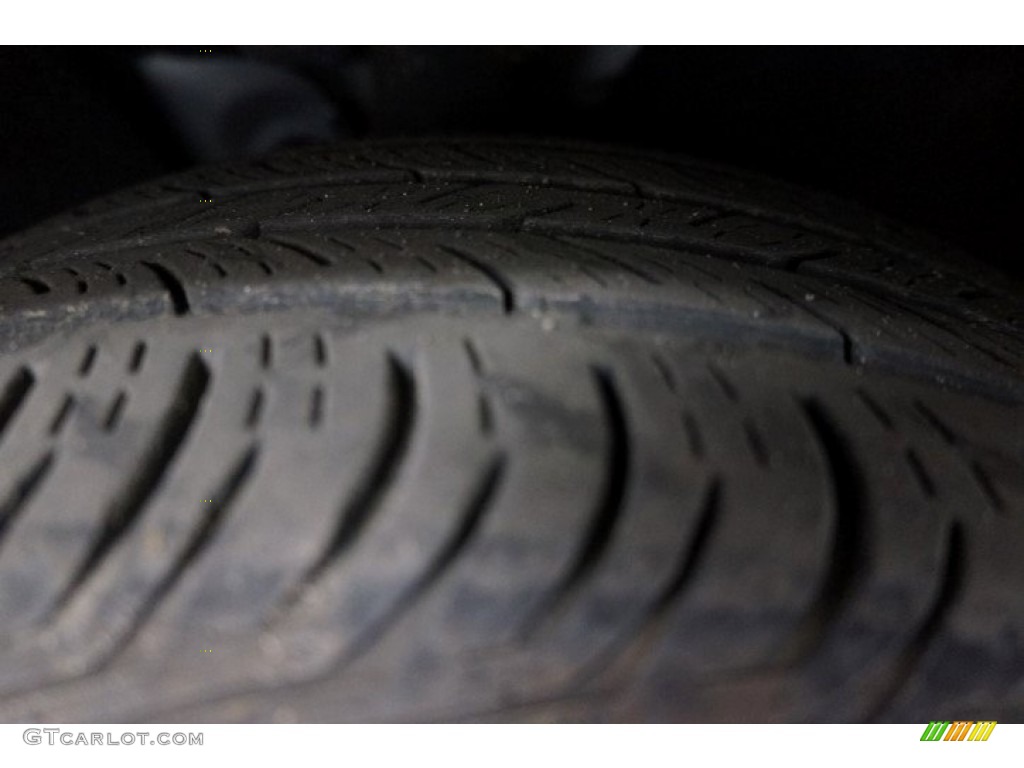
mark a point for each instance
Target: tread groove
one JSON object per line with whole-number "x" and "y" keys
{"x": 876, "y": 409}
{"x": 508, "y": 292}
{"x": 319, "y": 351}
{"x": 23, "y": 490}
{"x": 936, "y": 423}
{"x": 758, "y": 447}
{"x": 607, "y": 512}
{"x": 252, "y": 417}
{"x": 723, "y": 382}
{"x": 88, "y": 360}
{"x": 666, "y": 373}
{"x": 688, "y": 561}
{"x": 921, "y": 474}
{"x": 61, "y": 417}
{"x": 138, "y": 358}
{"x": 475, "y": 361}
{"x": 691, "y": 555}
{"x": 849, "y": 348}
{"x": 951, "y": 577}
{"x": 608, "y": 259}
{"x": 316, "y": 407}
{"x": 693, "y": 436}
{"x": 469, "y": 523}
{"x": 391, "y": 453}
{"x": 427, "y": 264}
{"x": 174, "y": 287}
{"x": 14, "y": 395}
{"x": 848, "y": 536}
{"x": 38, "y": 287}
{"x": 201, "y": 537}
{"x": 568, "y": 276}
{"x": 307, "y": 253}
{"x": 266, "y": 352}
{"x": 113, "y": 417}
{"x": 168, "y": 439}
{"x": 981, "y": 477}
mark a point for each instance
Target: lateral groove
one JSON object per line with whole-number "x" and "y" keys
{"x": 848, "y": 535}
{"x": 202, "y": 535}
{"x": 14, "y": 395}
{"x": 949, "y": 586}
{"x": 508, "y": 292}
{"x": 174, "y": 287}
{"x": 391, "y": 452}
{"x": 156, "y": 460}
{"x": 480, "y": 501}
{"x": 23, "y": 490}
{"x": 607, "y": 512}
{"x": 689, "y": 559}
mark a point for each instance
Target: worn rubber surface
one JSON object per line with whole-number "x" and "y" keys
{"x": 490, "y": 431}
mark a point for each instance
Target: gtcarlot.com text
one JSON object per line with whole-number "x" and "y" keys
{"x": 56, "y": 736}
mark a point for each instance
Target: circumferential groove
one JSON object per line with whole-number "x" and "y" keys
{"x": 848, "y": 535}
{"x": 144, "y": 481}
{"x": 609, "y": 508}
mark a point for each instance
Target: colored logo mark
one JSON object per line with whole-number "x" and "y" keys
{"x": 959, "y": 731}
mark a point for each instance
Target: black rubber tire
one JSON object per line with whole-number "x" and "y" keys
{"x": 496, "y": 431}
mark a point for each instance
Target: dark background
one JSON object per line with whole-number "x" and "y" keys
{"x": 932, "y": 136}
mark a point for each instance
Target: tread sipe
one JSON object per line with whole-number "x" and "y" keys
{"x": 490, "y": 430}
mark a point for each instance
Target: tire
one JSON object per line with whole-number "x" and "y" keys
{"x": 501, "y": 431}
